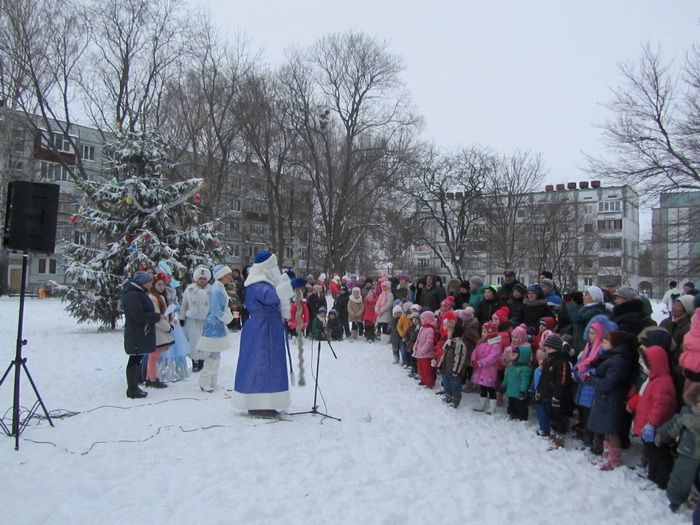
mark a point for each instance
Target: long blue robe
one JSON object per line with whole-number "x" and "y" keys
{"x": 261, "y": 375}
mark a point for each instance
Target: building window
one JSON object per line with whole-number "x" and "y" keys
{"x": 610, "y": 225}
{"x": 422, "y": 263}
{"x": 611, "y": 244}
{"x": 47, "y": 264}
{"x": 522, "y": 214}
{"x": 588, "y": 281}
{"x": 605, "y": 206}
{"x": 54, "y": 171}
{"x": 61, "y": 143}
{"x": 588, "y": 227}
{"x": 88, "y": 152}
{"x": 81, "y": 238}
{"x": 610, "y": 262}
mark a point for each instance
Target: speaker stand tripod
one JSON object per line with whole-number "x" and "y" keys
{"x": 19, "y": 364}
{"x": 314, "y": 409}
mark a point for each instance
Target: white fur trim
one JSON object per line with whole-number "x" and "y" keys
{"x": 222, "y": 272}
{"x": 267, "y": 401}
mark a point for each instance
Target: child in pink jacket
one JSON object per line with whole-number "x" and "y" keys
{"x": 424, "y": 349}
{"x": 485, "y": 360}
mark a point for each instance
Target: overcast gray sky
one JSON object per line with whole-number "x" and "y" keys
{"x": 507, "y": 74}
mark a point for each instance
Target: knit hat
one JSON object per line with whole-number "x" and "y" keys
{"x": 688, "y": 302}
{"x": 491, "y": 329}
{"x": 537, "y": 289}
{"x": 415, "y": 307}
{"x": 309, "y": 277}
{"x": 466, "y": 314}
{"x": 201, "y": 271}
{"x": 141, "y": 278}
{"x": 356, "y": 289}
{"x": 396, "y": 310}
{"x": 548, "y": 322}
{"x": 554, "y": 342}
{"x": 548, "y": 283}
{"x": 509, "y": 273}
{"x": 476, "y": 281}
{"x": 322, "y": 310}
{"x": 656, "y": 336}
{"x": 406, "y": 306}
{"x": 596, "y": 294}
{"x": 627, "y": 293}
{"x": 449, "y": 316}
{"x": 464, "y": 284}
{"x": 414, "y": 315}
{"x": 502, "y": 314}
{"x": 428, "y": 317}
{"x": 521, "y": 332}
{"x": 333, "y": 311}
{"x": 521, "y": 287}
{"x": 221, "y": 270}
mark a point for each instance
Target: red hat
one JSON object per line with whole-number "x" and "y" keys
{"x": 502, "y": 314}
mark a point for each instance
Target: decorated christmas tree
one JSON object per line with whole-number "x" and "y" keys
{"x": 136, "y": 220}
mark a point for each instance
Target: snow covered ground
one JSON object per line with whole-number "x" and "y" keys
{"x": 182, "y": 456}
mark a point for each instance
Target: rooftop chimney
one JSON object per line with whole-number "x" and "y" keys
{"x": 560, "y": 187}
{"x": 583, "y": 184}
{"x": 549, "y": 187}
{"x": 595, "y": 184}
{"x": 571, "y": 186}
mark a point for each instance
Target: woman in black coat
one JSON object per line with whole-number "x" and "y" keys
{"x": 139, "y": 328}
{"x": 535, "y": 307}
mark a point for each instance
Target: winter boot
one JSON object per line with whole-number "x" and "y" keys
{"x": 155, "y": 384}
{"x": 485, "y": 405}
{"x": 557, "y": 442}
{"x": 499, "y": 399}
{"x": 614, "y": 458}
{"x": 132, "y": 380}
{"x": 456, "y": 401}
{"x": 353, "y": 336}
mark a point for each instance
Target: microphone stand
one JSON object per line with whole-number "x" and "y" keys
{"x": 314, "y": 409}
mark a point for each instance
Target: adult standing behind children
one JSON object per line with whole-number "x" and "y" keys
{"x": 262, "y": 385}
{"x": 139, "y": 328}
{"x": 215, "y": 336}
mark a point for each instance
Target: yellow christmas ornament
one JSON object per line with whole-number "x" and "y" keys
{"x": 129, "y": 199}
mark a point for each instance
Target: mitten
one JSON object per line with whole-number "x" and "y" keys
{"x": 298, "y": 282}
{"x": 648, "y": 433}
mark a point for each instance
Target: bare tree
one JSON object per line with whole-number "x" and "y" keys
{"x": 447, "y": 190}
{"x": 354, "y": 123}
{"x": 202, "y": 100}
{"x": 136, "y": 46}
{"x": 653, "y": 135}
{"x": 41, "y": 45}
{"x": 508, "y": 191}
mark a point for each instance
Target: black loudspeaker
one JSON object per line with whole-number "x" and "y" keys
{"x": 31, "y": 216}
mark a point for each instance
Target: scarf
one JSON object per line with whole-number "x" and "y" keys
{"x": 590, "y": 352}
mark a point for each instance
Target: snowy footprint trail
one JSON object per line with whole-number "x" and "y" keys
{"x": 398, "y": 456}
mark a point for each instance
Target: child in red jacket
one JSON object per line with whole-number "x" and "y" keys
{"x": 653, "y": 406}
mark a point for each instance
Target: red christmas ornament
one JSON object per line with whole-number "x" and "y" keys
{"x": 127, "y": 238}
{"x": 216, "y": 244}
{"x": 147, "y": 237}
{"x": 73, "y": 219}
{"x": 197, "y": 197}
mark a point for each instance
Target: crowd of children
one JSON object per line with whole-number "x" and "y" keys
{"x": 593, "y": 357}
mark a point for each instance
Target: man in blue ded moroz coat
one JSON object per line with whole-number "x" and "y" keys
{"x": 262, "y": 384}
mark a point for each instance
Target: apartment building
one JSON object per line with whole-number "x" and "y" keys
{"x": 584, "y": 233}
{"x": 675, "y": 240}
